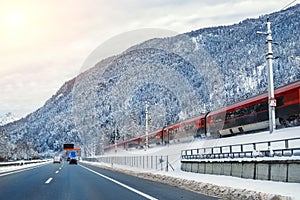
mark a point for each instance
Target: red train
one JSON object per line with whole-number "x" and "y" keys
{"x": 246, "y": 116}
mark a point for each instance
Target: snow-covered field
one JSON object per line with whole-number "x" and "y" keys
{"x": 234, "y": 187}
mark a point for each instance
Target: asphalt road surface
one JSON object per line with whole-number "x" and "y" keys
{"x": 64, "y": 181}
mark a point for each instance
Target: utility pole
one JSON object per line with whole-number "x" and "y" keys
{"x": 116, "y": 140}
{"x": 147, "y": 124}
{"x": 271, "y": 96}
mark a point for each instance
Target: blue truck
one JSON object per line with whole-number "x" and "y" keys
{"x": 73, "y": 159}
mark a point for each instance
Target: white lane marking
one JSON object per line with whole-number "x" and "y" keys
{"x": 17, "y": 171}
{"x": 121, "y": 184}
{"x": 56, "y": 172}
{"x": 49, "y": 180}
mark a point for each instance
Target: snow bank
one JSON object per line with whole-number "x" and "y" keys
{"x": 216, "y": 186}
{"x": 18, "y": 167}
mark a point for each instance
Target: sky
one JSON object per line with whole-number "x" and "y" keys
{"x": 45, "y": 43}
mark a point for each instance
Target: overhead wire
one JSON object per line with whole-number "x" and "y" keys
{"x": 288, "y": 5}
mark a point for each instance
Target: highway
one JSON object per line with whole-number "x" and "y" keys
{"x": 64, "y": 181}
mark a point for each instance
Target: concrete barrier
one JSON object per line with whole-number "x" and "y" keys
{"x": 194, "y": 167}
{"x": 248, "y": 170}
{"x": 236, "y": 169}
{"x": 227, "y": 169}
{"x": 201, "y": 169}
{"x": 275, "y": 170}
{"x": 217, "y": 169}
{"x": 293, "y": 172}
{"x": 209, "y": 168}
{"x": 262, "y": 171}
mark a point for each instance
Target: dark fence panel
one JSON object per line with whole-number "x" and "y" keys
{"x": 284, "y": 147}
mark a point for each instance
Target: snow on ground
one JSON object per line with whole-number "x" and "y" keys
{"x": 4, "y": 169}
{"x": 236, "y": 188}
{"x": 247, "y": 187}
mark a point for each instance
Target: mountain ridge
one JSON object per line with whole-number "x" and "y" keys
{"x": 183, "y": 76}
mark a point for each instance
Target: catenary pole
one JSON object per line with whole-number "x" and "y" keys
{"x": 147, "y": 124}
{"x": 271, "y": 96}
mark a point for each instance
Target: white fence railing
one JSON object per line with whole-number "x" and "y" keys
{"x": 144, "y": 162}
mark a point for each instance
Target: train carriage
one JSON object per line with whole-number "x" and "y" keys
{"x": 252, "y": 114}
{"x": 192, "y": 127}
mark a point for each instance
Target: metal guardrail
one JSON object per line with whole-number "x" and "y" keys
{"x": 284, "y": 147}
{"x": 20, "y": 162}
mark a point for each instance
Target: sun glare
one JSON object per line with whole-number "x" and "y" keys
{"x": 15, "y": 20}
{"x": 15, "y": 27}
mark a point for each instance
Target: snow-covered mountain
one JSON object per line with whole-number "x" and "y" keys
{"x": 7, "y": 118}
{"x": 180, "y": 77}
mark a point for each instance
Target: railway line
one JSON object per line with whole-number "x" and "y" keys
{"x": 243, "y": 117}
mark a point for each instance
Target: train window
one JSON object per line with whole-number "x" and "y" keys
{"x": 245, "y": 111}
{"x": 280, "y": 101}
{"x": 228, "y": 116}
{"x": 250, "y": 109}
{"x": 240, "y": 112}
{"x": 262, "y": 106}
{"x": 218, "y": 118}
{"x": 265, "y": 105}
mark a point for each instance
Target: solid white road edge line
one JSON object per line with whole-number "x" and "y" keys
{"x": 49, "y": 180}
{"x": 121, "y": 184}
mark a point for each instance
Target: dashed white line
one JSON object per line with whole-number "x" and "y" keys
{"x": 49, "y": 180}
{"x": 57, "y": 172}
{"x": 121, "y": 184}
